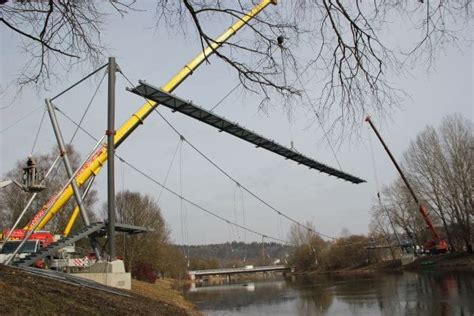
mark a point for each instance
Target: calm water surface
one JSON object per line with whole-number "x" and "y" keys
{"x": 403, "y": 293}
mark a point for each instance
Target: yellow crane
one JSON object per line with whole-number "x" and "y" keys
{"x": 93, "y": 166}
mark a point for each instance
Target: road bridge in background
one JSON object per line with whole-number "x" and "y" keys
{"x": 230, "y": 271}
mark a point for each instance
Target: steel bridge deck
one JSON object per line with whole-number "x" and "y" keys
{"x": 222, "y": 124}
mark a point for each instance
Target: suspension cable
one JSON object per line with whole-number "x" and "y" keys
{"x": 206, "y": 210}
{"x": 88, "y": 106}
{"x": 243, "y": 210}
{"x": 21, "y": 119}
{"x": 38, "y": 132}
{"x": 79, "y": 82}
{"x": 144, "y": 174}
{"x": 225, "y": 96}
{"x": 77, "y": 124}
{"x": 234, "y": 208}
{"x": 175, "y": 193}
{"x": 169, "y": 167}
{"x": 182, "y": 206}
{"x": 220, "y": 169}
{"x": 241, "y": 185}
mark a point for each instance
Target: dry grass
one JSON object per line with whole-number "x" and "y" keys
{"x": 163, "y": 290}
{"x": 25, "y": 294}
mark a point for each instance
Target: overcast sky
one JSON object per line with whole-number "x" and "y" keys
{"x": 307, "y": 195}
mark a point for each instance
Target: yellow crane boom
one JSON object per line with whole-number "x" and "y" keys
{"x": 98, "y": 159}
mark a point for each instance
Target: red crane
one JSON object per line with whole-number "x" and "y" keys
{"x": 437, "y": 244}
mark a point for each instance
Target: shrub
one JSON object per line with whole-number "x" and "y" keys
{"x": 144, "y": 272}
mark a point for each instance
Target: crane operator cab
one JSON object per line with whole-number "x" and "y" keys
{"x": 32, "y": 180}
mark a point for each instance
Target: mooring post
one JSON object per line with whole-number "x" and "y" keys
{"x": 110, "y": 132}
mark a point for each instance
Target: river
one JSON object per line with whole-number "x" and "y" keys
{"x": 398, "y": 293}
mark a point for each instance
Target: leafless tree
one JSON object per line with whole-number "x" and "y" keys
{"x": 309, "y": 251}
{"x": 13, "y": 200}
{"x": 441, "y": 164}
{"x": 153, "y": 247}
{"x": 349, "y": 63}
{"x": 380, "y": 227}
{"x": 348, "y": 251}
{"x": 404, "y": 212}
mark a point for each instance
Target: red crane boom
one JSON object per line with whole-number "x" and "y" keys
{"x": 437, "y": 244}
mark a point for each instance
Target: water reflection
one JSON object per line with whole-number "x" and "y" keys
{"x": 403, "y": 293}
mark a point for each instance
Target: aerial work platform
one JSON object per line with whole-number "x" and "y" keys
{"x": 222, "y": 124}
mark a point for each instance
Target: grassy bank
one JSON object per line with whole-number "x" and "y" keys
{"x": 22, "y": 293}
{"x": 164, "y": 290}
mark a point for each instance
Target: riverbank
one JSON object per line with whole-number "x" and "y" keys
{"x": 455, "y": 261}
{"x": 22, "y": 293}
{"x": 450, "y": 261}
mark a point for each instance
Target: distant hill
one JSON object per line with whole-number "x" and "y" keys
{"x": 236, "y": 254}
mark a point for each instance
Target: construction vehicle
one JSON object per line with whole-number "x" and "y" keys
{"x": 436, "y": 244}
{"x": 32, "y": 181}
{"x": 31, "y": 246}
{"x": 92, "y": 166}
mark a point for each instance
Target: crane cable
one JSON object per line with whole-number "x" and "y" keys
{"x": 372, "y": 155}
{"x": 281, "y": 40}
{"x": 377, "y": 185}
{"x": 318, "y": 118}
{"x": 231, "y": 89}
